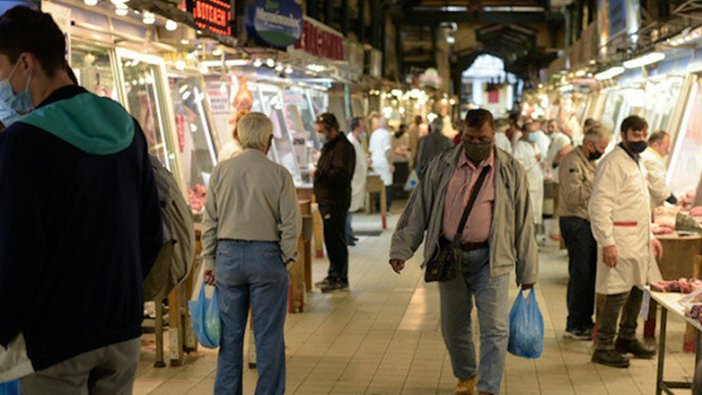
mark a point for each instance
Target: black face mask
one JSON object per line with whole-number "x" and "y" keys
{"x": 477, "y": 152}
{"x": 637, "y": 147}
{"x": 593, "y": 156}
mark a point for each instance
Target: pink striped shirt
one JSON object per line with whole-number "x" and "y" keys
{"x": 465, "y": 176}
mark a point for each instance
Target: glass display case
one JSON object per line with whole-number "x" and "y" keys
{"x": 145, "y": 91}
{"x": 95, "y": 69}
{"x": 686, "y": 160}
{"x": 198, "y": 153}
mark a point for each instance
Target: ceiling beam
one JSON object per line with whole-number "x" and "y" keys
{"x": 436, "y": 17}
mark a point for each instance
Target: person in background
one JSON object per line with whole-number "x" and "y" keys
{"x": 526, "y": 153}
{"x": 497, "y": 238}
{"x": 654, "y": 161}
{"x": 380, "y": 149}
{"x": 401, "y": 158}
{"x": 250, "y": 230}
{"x": 413, "y": 133}
{"x": 81, "y": 221}
{"x": 620, "y": 215}
{"x": 501, "y": 140}
{"x": 430, "y": 146}
{"x": 542, "y": 139}
{"x": 577, "y": 173}
{"x": 560, "y": 146}
{"x": 332, "y": 188}
{"x": 232, "y": 147}
{"x": 358, "y": 183}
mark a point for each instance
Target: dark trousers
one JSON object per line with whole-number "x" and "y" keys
{"x": 628, "y": 304}
{"x": 334, "y": 218}
{"x": 582, "y": 270}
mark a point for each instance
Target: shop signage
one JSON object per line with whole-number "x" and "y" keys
{"x": 214, "y": 16}
{"x": 353, "y": 55}
{"x": 275, "y": 22}
{"x": 321, "y": 41}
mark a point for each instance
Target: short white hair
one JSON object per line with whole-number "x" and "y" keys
{"x": 597, "y": 134}
{"x": 254, "y": 130}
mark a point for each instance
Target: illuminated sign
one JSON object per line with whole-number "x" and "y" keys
{"x": 275, "y": 22}
{"x": 212, "y": 15}
{"x": 320, "y": 40}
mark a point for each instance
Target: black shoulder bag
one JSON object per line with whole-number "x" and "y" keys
{"x": 448, "y": 263}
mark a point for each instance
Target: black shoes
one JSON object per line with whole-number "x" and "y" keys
{"x": 610, "y": 358}
{"x": 320, "y": 284}
{"x": 334, "y": 285}
{"x": 578, "y": 334}
{"x": 635, "y": 347}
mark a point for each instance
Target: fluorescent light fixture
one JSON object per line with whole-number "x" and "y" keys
{"x": 580, "y": 73}
{"x": 512, "y": 9}
{"x": 396, "y": 92}
{"x": 288, "y": 70}
{"x": 228, "y": 63}
{"x": 185, "y": 41}
{"x": 180, "y": 65}
{"x": 279, "y": 68}
{"x": 443, "y": 9}
{"x": 270, "y": 63}
{"x": 204, "y": 69}
{"x": 610, "y": 73}
{"x": 451, "y": 39}
{"x": 90, "y": 2}
{"x": 171, "y": 25}
{"x": 645, "y": 60}
{"x": 257, "y": 63}
{"x": 118, "y": 2}
{"x": 149, "y": 18}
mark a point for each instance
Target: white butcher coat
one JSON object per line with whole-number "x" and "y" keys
{"x": 525, "y": 153}
{"x": 358, "y": 183}
{"x": 657, "y": 171}
{"x": 620, "y": 214}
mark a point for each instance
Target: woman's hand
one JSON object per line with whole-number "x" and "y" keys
{"x": 209, "y": 277}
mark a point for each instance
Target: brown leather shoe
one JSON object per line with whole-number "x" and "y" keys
{"x": 466, "y": 386}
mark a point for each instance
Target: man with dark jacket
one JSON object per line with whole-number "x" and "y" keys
{"x": 430, "y": 146}
{"x": 332, "y": 188}
{"x": 80, "y": 223}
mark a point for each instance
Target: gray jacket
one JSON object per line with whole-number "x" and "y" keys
{"x": 512, "y": 236}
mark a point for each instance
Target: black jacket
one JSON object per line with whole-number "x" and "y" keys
{"x": 78, "y": 233}
{"x": 332, "y": 179}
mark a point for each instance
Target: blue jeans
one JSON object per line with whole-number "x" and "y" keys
{"x": 251, "y": 273}
{"x": 490, "y": 294}
{"x": 582, "y": 270}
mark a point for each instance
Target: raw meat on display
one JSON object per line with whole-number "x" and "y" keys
{"x": 683, "y": 285}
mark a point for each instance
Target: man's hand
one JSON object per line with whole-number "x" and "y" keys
{"x": 397, "y": 265}
{"x": 209, "y": 277}
{"x": 527, "y": 286}
{"x": 657, "y": 248}
{"x": 609, "y": 256}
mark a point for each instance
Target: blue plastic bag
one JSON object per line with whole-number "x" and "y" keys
{"x": 10, "y": 388}
{"x": 526, "y": 327}
{"x": 206, "y": 322}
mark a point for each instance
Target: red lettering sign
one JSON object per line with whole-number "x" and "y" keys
{"x": 212, "y": 15}
{"x": 320, "y": 42}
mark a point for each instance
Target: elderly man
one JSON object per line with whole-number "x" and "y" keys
{"x": 251, "y": 226}
{"x": 654, "y": 161}
{"x": 560, "y": 146}
{"x": 577, "y": 173}
{"x": 499, "y": 232}
{"x": 620, "y": 215}
{"x": 332, "y": 188}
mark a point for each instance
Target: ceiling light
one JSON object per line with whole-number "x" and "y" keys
{"x": 217, "y": 52}
{"x": 396, "y": 92}
{"x": 118, "y": 2}
{"x": 288, "y": 70}
{"x": 171, "y": 25}
{"x": 580, "y": 73}
{"x": 185, "y": 41}
{"x": 279, "y": 68}
{"x": 257, "y": 63}
{"x": 641, "y": 61}
{"x": 149, "y": 18}
{"x": 204, "y": 69}
{"x": 270, "y": 63}
{"x": 180, "y": 65}
{"x": 451, "y": 39}
{"x": 122, "y": 10}
{"x": 610, "y": 73}
{"x": 90, "y": 2}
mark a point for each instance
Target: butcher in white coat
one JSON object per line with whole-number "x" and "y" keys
{"x": 620, "y": 218}
{"x": 654, "y": 161}
{"x": 527, "y": 154}
{"x": 358, "y": 183}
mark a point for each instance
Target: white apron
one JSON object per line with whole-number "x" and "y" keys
{"x": 525, "y": 153}
{"x": 620, "y": 215}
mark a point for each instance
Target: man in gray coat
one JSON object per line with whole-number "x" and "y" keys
{"x": 498, "y": 236}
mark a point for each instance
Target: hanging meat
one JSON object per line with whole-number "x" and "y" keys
{"x": 243, "y": 99}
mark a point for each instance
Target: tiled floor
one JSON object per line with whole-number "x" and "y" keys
{"x": 382, "y": 337}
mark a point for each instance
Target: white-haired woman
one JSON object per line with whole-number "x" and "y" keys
{"x": 250, "y": 233}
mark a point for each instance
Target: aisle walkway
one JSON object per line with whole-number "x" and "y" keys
{"x": 383, "y": 338}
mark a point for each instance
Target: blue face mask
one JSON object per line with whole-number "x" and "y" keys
{"x": 532, "y": 138}
{"x": 13, "y": 105}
